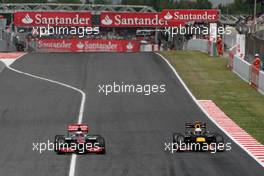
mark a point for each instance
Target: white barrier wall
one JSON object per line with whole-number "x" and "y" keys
{"x": 242, "y": 68}
{"x": 2, "y": 66}
{"x": 261, "y": 82}
{"x": 198, "y": 44}
{"x": 146, "y": 48}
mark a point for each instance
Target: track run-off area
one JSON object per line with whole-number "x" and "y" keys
{"x": 38, "y": 99}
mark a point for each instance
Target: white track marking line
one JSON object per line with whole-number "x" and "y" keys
{"x": 80, "y": 116}
{"x": 81, "y": 110}
{"x": 203, "y": 110}
{"x": 73, "y": 165}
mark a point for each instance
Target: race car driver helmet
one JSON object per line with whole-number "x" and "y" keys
{"x": 197, "y": 131}
{"x": 79, "y": 132}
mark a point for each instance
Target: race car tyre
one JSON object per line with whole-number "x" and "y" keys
{"x": 102, "y": 152}
{"x": 101, "y": 142}
{"x": 219, "y": 140}
{"x": 178, "y": 139}
{"x": 59, "y": 139}
{"x": 20, "y": 47}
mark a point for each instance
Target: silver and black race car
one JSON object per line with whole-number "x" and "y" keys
{"x": 79, "y": 141}
{"x": 197, "y": 138}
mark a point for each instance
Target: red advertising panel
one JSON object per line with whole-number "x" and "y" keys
{"x": 131, "y": 19}
{"x": 211, "y": 15}
{"x": 75, "y": 45}
{"x": 52, "y": 18}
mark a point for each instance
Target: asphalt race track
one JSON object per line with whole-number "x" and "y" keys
{"x": 135, "y": 126}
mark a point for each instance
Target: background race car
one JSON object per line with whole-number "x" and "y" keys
{"x": 79, "y": 141}
{"x": 198, "y": 138}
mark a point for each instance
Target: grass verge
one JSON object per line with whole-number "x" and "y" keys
{"x": 209, "y": 79}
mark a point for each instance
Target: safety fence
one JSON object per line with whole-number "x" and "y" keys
{"x": 246, "y": 71}
{"x": 254, "y": 45}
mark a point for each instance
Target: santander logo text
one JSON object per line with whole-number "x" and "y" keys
{"x": 191, "y": 15}
{"x": 129, "y": 19}
{"x": 64, "y": 44}
{"x": 97, "y": 46}
{"x": 52, "y": 19}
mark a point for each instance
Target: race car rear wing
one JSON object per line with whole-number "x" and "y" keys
{"x": 78, "y": 127}
{"x": 194, "y": 125}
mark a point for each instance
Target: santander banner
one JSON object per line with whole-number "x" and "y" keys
{"x": 131, "y": 19}
{"x": 166, "y": 18}
{"x": 75, "y": 45}
{"x": 52, "y": 18}
{"x": 210, "y": 15}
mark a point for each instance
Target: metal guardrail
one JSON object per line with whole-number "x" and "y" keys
{"x": 94, "y": 8}
{"x": 228, "y": 19}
